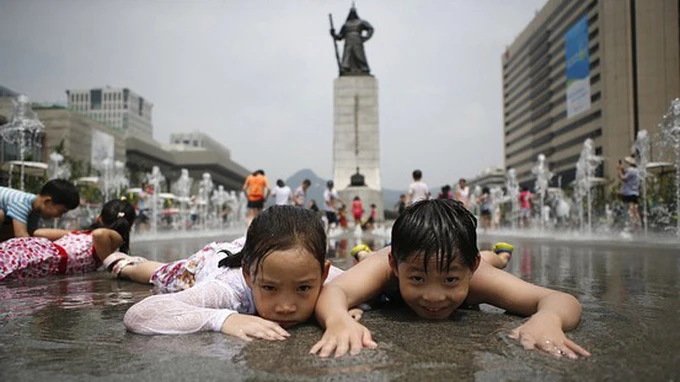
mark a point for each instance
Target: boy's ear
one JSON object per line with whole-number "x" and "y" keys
{"x": 478, "y": 260}
{"x": 326, "y": 270}
{"x": 246, "y": 276}
{"x": 393, "y": 263}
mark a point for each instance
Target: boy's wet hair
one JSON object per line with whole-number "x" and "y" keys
{"x": 437, "y": 229}
{"x": 62, "y": 192}
{"x": 307, "y": 182}
{"x": 280, "y": 182}
{"x": 280, "y": 228}
{"x": 417, "y": 175}
{"x": 118, "y": 215}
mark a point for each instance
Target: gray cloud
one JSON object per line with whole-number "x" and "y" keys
{"x": 258, "y": 75}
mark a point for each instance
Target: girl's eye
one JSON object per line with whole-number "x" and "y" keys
{"x": 268, "y": 287}
{"x": 304, "y": 288}
{"x": 451, "y": 280}
{"x": 417, "y": 279}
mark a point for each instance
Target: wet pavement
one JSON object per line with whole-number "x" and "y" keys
{"x": 70, "y": 328}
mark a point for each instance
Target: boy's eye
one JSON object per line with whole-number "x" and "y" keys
{"x": 304, "y": 288}
{"x": 268, "y": 287}
{"x": 451, "y": 280}
{"x": 417, "y": 279}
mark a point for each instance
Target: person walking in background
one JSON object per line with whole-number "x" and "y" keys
{"x": 282, "y": 193}
{"x": 331, "y": 203}
{"x": 630, "y": 191}
{"x": 463, "y": 193}
{"x": 417, "y": 190}
{"x": 485, "y": 207}
{"x": 400, "y": 205}
{"x": 357, "y": 210}
{"x": 446, "y": 192}
{"x": 300, "y": 193}
{"x": 525, "y": 207}
{"x": 257, "y": 190}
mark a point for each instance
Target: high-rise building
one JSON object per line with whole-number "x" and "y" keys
{"x": 600, "y": 69}
{"x": 119, "y": 108}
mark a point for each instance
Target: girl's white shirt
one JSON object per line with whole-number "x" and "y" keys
{"x": 203, "y": 307}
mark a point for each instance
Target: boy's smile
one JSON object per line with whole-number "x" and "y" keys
{"x": 430, "y": 293}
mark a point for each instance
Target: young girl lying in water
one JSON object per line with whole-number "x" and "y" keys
{"x": 270, "y": 284}
{"x": 56, "y": 251}
{"x": 434, "y": 267}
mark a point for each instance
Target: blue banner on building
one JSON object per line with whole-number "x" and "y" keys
{"x": 578, "y": 68}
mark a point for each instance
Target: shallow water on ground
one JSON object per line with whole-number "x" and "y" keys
{"x": 70, "y": 328}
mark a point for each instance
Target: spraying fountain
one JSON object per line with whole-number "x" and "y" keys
{"x": 205, "y": 188}
{"x": 219, "y": 199}
{"x": 586, "y": 166}
{"x": 56, "y": 169}
{"x": 154, "y": 179}
{"x": 641, "y": 150}
{"x": 23, "y": 130}
{"x": 513, "y": 193}
{"x": 670, "y": 132}
{"x": 182, "y": 188}
{"x": 543, "y": 176}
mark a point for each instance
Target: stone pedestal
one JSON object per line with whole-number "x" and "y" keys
{"x": 356, "y": 139}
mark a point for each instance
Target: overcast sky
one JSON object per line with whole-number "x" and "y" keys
{"x": 258, "y": 75}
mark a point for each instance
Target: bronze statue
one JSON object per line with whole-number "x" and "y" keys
{"x": 354, "y": 62}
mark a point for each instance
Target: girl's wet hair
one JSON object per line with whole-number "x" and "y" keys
{"x": 280, "y": 228}
{"x": 438, "y": 229}
{"x": 118, "y": 215}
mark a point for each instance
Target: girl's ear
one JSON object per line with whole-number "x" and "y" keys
{"x": 326, "y": 270}
{"x": 100, "y": 220}
{"x": 246, "y": 276}
{"x": 393, "y": 264}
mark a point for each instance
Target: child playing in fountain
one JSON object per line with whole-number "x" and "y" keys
{"x": 256, "y": 290}
{"x": 19, "y": 211}
{"x": 434, "y": 267}
{"x": 357, "y": 210}
{"x": 55, "y": 251}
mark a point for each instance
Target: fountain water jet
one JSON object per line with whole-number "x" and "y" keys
{"x": 154, "y": 179}
{"x": 585, "y": 176}
{"x": 182, "y": 188}
{"x": 513, "y": 192}
{"x": 543, "y": 176}
{"x": 670, "y": 132}
{"x": 641, "y": 149}
{"x": 57, "y": 170}
{"x": 23, "y": 130}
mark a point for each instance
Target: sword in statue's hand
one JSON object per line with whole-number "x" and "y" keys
{"x": 335, "y": 44}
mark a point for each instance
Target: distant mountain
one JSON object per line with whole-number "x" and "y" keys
{"x": 315, "y": 191}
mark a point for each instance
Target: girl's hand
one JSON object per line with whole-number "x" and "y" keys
{"x": 343, "y": 335}
{"x": 544, "y": 331}
{"x": 247, "y": 327}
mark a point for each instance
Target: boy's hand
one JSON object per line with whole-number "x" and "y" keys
{"x": 247, "y": 327}
{"x": 343, "y": 335}
{"x": 543, "y": 331}
{"x": 356, "y": 314}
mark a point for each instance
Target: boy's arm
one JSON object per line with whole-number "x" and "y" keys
{"x": 20, "y": 229}
{"x": 551, "y": 311}
{"x": 106, "y": 241}
{"x": 50, "y": 233}
{"x": 359, "y": 284}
